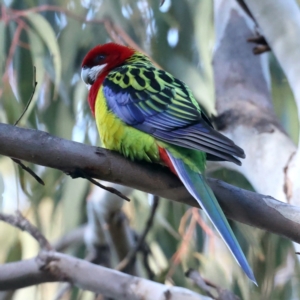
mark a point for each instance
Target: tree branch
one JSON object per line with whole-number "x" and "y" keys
{"x": 53, "y": 266}
{"x": 20, "y": 222}
{"x": 130, "y": 257}
{"x": 206, "y": 286}
{"x": 244, "y": 206}
{"x": 280, "y": 23}
{"x": 108, "y": 225}
{"x": 244, "y": 103}
{"x": 72, "y": 238}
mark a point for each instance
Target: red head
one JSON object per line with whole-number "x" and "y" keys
{"x": 97, "y": 64}
{"x": 102, "y": 59}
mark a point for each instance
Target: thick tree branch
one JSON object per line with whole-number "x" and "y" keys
{"x": 244, "y": 206}
{"x": 53, "y": 266}
{"x": 280, "y": 23}
{"x": 244, "y": 103}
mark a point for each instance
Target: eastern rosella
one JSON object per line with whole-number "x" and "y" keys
{"x": 147, "y": 114}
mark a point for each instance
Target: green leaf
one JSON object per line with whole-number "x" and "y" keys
{"x": 2, "y": 46}
{"x": 37, "y": 54}
{"x": 47, "y": 34}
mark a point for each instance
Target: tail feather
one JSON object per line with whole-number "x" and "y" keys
{"x": 196, "y": 185}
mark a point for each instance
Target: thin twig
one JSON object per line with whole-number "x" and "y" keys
{"x": 186, "y": 231}
{"x": 22, "y": 223}
{"x": 28, "y": 170}
{"x": 204, "y": 284}
{"x": 146, "y": 252}
{"x": 17, "y": 161}
{"x": 21, "y": 25}
{"x": 14, "y": 14}
{"x": 77, "y": 173}
{"x": 120, "y": 36}
{"x": 12, "y": 48}
{"x": 131, "y": 255}
{"x": 30, "y": 98}
{"x": 109, "y": 27}
{"x": 118, "y": 30}
{"x": 80, "y": 173}
{"x": 199, "y": 281}
{"x": 72, "y": 238}
{"x": 107, "y": 188}
{"x": 261, "y": 44}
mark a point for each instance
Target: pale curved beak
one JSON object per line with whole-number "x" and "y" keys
{"x": 85, "y": 75}
{"x": 89, "y": 75}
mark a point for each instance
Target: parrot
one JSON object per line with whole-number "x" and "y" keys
{"x": 145, "y": 113}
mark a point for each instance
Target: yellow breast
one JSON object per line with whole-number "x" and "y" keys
{"x": 118, "y": 136}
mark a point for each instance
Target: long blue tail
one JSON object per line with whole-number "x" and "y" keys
{"x": 198, "y": 188}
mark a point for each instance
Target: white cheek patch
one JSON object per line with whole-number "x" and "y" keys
{"x": 88, "y": 86}
{"x": 95, "y": 71}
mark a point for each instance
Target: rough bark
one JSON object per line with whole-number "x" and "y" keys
{"x": 244, "y": 206}
{"x": 53, "y": 267}
{"x": 244, "y": 103}
{"x": 279, "y": 22}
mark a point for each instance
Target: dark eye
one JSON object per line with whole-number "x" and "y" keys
{"x": 99, "y": 58}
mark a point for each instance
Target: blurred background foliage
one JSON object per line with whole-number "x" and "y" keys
{"x": 54, "y": 36}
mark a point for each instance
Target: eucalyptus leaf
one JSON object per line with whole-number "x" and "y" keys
{"x": 37, "y": 53}
{"x": 47, "y": 34}
{"x": 2, "y": 46}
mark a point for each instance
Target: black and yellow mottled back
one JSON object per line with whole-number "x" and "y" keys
{"x": 153, "y": 101}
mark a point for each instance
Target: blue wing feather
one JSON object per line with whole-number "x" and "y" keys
{"x": 164, "y": 107}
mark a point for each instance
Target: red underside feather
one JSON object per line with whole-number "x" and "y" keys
{"x": 165, "y": 158}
